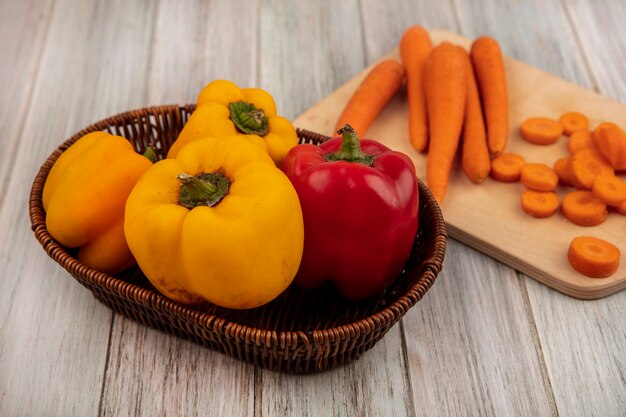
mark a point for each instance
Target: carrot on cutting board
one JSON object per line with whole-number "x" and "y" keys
{"x": 372, "y": 95}
{"x": 593, "y": 257}
{"x": 540, "y": 204}
{"x": 563, "y": 172}
{"x": 610, "y": 189}
{"x": 415, "y": 46}
{"x": 445, "y": 87}
{"x": 539, "y": 177}
{"x": 621, "y": 209}
{"x": 573, "y": 122}
{"x": 580, "y": 140}
{"x": 583, "y": 208}
{"x": 507, "y": 167}
{"x": 611, "y": 141}
{"x": 475, "y": 153}
{"x": 541, "y": 130}
{"x": 586, "y": 165}
{"x": 490, "y": 74}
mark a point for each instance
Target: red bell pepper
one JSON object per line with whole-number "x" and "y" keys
{"x": 360, "y": 203}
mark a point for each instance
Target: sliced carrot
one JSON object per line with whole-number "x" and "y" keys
{"x": 539, "y": 204}
{"x": 372, "y": 95}
{"x": 491, "y": 76}
{"x": 611, "y": 141}
{"x": 586, "y": 165}
{"x": 561, "y": 169}
{"x": 593, "y": 257}
{"x": 580, "y": 140}
{"x": 415, "y": 46}
{"x": 610, "y": 189}
{"x": 583, "y": 208}
{"x": 539, "y": 177}
{"x": 621, "y": 209}
{"x": 507, "y": 167}
{"x": 475, "y": 153}
{"x": 541, "y": 130}
{"x": 573, "y": 122}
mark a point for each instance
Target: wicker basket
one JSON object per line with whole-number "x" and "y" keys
{"x": 302, "y": 330}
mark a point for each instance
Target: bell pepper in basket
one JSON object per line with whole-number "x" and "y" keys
{"x": 360, "y": 204}
{"x": 225, "y": 110}
{"x": 218, "y": 223}
{"x": 84, "y": 197}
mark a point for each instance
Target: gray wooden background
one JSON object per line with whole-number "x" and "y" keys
{"x": 484, "y": 341}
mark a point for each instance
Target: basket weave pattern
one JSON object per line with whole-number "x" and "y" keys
{"x": 302, "y": 330}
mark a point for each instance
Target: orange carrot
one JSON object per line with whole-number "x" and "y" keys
{"x": 489, "y": 67}
{"x": 610, "y": 189}
{"x": 573, "y": 122}
{"x": 541, "y": 130}
{"x": 621, "y": 209}
{"x": 611, "y": 141}
{"x": 583, "y": 208}
{"x": 561, "y": 169}
{"x": 539, "y": 204}
{"x": 507, "y": 167}
{"x": 475, "y": 156}
{"x": 415, "y": 46}
{"x": 372, "y": 95}
{"x": 445, "y": 87}
{"x": 579, "y": 140}
{"x": 586, "y": 165}
{"x": 593, "y": 257}
{"x": 539, "y": 177}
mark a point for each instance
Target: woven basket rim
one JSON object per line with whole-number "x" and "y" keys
{"x": 431, "y": 265}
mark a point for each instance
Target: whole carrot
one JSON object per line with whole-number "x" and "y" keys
{"x": 489, "y": 68}
{"x": 475, "y": 155}
{"x": 445, "y": 86}
{"x": 415, "y": 46}
{"x": 372, "y": 95}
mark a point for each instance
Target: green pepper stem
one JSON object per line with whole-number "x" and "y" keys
{"x": 203, "y": 189}
{"x": 248, "y": 119}
{"x": 150, "y": 153}
{"x": 350, "y": 148}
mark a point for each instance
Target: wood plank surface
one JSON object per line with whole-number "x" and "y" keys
{"x": 53, "y": 334}
{"x": 193, "y": 44}
{"x": 535, "y": 247}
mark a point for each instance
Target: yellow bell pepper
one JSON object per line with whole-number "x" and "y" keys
{"x": 225, "y": 110}
{"x": 218, "y": 223}
{"x": 84, "y": 198}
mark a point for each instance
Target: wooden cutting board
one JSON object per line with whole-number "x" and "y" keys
{"x": 488, "y": 216}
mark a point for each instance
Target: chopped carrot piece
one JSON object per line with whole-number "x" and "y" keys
{"x": 573, "y": 122}
{"x": 586, "y": 165}
{"x": 583, "y": 208}
{"x": 611, "y": 141}
{"x": 561, "y": 169}
{"x": 541, "y": 130}
{"x": 539, "y": 177}
{"x": 507, "y": 167}
{"x": 539, "y": 204}
{"x": 621, "y": 209}
{"x": 593, "y": 257}
{"x": 580, "y": 140}
{"x": 610, "y": 189}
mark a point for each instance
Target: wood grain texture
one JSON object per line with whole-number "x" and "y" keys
{"x": 535, "y": 247}
{"x": 21, "y": 23}
{"x": 193, "y": 44}
{"x": 600, "y": 33}
{"x": 469, "y": 345}
{"x": 53, "y": 334}
{"x": 373, "y": 386}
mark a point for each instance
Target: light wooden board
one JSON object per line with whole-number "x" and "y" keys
{"x": 488, "y": 216}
